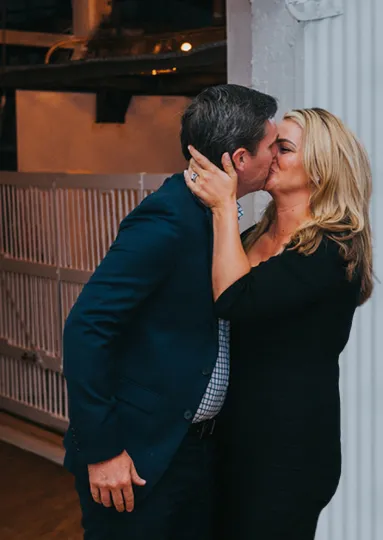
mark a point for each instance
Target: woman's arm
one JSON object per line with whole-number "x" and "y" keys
{"x": 218, "y": 190}
{"x": 230, "y": 261}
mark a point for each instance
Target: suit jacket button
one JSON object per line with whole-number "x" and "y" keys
{"x": 206, "y": 371}
{"x": 188, "y": 415}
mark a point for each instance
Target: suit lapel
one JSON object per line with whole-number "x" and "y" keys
{"x": 209, "y": 222}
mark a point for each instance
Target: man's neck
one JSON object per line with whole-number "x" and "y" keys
{"x": 242, "y": 191}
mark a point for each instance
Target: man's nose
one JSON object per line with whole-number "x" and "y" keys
{"x": 275, "y": 151}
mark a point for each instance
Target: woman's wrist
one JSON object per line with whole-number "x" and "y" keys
{"x": 225, "y": 208}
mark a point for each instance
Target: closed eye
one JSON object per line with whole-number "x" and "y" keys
{"x": 284, "y": 149}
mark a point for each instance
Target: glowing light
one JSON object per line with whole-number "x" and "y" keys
{"x": 186, "y": 47}
{"x": 163, "y": 71}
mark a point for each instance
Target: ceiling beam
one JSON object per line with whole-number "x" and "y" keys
{"x": 34, "y": 39}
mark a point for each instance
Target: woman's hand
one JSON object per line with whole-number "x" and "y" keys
{"x": 217, "y": 189}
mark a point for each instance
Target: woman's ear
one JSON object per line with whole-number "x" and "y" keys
{"x": 239, "y": 158}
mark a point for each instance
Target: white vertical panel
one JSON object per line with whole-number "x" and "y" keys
{"x": 377, "y": 306}
{"x": 343, "y": 72}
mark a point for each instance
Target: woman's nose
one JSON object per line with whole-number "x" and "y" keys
{"x": 275, "y": 158}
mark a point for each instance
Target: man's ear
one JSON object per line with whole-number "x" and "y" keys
{"x": 239, "y": 158}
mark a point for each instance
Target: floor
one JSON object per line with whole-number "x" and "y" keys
{"x": 28, "y": 436}
{"x": 37, "y": 498}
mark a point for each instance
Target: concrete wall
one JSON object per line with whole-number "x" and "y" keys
{"x": 57, "y": 133}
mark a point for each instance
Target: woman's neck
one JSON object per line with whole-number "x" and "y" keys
{"x": 291, "y": 213}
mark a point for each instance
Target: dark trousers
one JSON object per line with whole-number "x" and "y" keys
{"x": 180, "y": 506}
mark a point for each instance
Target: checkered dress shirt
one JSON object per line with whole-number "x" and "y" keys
{"x": 215, "y": 394}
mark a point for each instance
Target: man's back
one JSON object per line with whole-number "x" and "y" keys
{"x": 141, "y": 342}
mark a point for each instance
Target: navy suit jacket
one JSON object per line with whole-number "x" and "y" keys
{"x": 141, "y": 341}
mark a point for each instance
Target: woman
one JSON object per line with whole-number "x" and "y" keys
{"x": 290, "y": 289}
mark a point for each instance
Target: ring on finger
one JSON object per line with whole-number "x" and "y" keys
{"x": 194, "y": 176}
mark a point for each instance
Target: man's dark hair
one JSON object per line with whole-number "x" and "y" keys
{"x": 224, "y": 118}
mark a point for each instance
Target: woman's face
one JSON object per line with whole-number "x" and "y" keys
{"x": 287, "y": 173}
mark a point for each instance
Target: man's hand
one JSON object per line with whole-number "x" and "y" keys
{"x": 111, "y": 482}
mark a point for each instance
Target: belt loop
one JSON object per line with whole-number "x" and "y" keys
{"x": 212, "y": 426}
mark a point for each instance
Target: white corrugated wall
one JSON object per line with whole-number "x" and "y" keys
{"x": 343, "y": 72}
{"x": 337, "y": 64}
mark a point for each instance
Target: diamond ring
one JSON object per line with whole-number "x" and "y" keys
{"x": 194, "y": 176}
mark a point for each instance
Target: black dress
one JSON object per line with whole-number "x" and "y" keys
{"x": 291, "y": 318}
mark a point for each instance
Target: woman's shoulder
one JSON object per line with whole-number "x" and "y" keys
{"x": 325, "y": 262}
{"x": 329, "y": 248}
{"x": 327, "y": 251}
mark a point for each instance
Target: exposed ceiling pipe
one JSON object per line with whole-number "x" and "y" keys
{"x": 87, "y": 15}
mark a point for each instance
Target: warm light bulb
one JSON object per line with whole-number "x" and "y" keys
{"x": 186, "y": 47}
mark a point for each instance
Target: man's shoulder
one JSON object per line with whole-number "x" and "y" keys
{"x": 172, "y": 189}
{"x": 172, "y": 197}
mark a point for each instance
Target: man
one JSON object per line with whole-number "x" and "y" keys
{"x": 146, "y": 360}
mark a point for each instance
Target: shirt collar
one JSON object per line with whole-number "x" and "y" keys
{"x": 240, "y": 211}
{"x": 239, "y": 207}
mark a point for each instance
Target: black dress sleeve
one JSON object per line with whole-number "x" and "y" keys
{"x": 284, "y": 284}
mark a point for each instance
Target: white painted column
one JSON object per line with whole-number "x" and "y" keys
{"x": 264, "y": 51}
{"x": 239, "y": 32}
{"x": 239, "y": 61}
{"x": 335, "y": 63}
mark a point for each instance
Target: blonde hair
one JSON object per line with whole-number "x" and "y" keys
{"x": 340, "y": 180}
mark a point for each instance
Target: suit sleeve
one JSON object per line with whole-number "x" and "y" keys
{"x": 283, "y": 285}
{"x": 137, "y": 263}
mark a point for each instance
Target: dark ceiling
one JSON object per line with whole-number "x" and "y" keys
{"x": 38, "y": 15}
{"x": 160, "y": 15}
{"x": 163, "y": 26}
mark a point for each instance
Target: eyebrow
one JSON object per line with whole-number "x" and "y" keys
{"x": 286, "y": 141}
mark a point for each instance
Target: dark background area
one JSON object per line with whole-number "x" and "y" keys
{"x": 160, "y": 15}
{"x": 123, "y": 79}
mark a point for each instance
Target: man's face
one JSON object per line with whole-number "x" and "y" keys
{"x": 253, "y": 170}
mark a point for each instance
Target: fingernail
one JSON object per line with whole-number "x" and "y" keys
{"x": 226, "y": 155}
